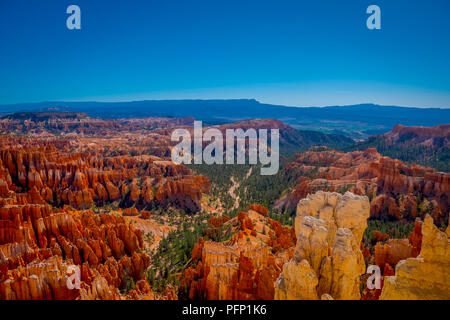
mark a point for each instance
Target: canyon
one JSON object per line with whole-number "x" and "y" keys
{"x": 423, "y": 145}
{"x": 397, "y": 190}
{"x": 70, "y": 202}
{"x": 245, "y": 267}
{"x": 102, "y": 195}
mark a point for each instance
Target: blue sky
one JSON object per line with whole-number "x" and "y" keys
{"x": 302, "y": 53}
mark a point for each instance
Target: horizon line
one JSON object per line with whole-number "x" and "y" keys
{"x": 219, "y": 99}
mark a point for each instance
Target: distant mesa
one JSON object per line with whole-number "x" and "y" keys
{"x": 442, "y": 130}
{"x": 44, "y": 116}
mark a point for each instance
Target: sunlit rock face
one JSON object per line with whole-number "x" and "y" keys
{"x": 399, "y": 190}
{"x": 427, "y": 276}
{"x": 58, "y": 175}
{"x": 37, "y": 245}
{"x": 328, "y": 261}
{"x": 244, "y": 267}
{"x": 46, "y": 228}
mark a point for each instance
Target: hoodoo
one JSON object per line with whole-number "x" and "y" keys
{"x": 328, "y": 261}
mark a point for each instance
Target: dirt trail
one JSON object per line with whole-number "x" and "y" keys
{"x": 234, "y": 186}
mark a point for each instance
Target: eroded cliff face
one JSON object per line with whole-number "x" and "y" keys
{"x": 44, "y": 232}
{"x": 47, "y": 182}
{"x": 435, "y": 137}
{"x": 58, "y": 176}
{"x": 245, "y": 267}
{"x": 79, "y": 124}
{"x": 393, "y": 251}
{"x": 399, "y": 190}
{"x": 328, "y": 261}
{"x": 427, "y": 276}
{"x": 37, "y": 245}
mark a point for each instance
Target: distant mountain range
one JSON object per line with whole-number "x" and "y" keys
{"x": 357, "y": 121}
{"x": 44, "y": 116}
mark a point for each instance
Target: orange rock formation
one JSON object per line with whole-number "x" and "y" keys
{"x": 394, "y": 186}
{"x": 328, "y": 261}
{"x": 245, "y": 267}
{"x": 42, "y": 238}
{"x": 37, "y": 245}
{"x": 82, "y": 179}
{"x": 425, "y": 277}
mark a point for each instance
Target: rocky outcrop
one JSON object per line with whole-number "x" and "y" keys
{"x": 51, "y": 175}
{"x": 328, "y": 260}
{"x": 422, "y": 133}
{"x": 298, "y": 282}
{"x": 393, "y": 251}
{"x": 415, "y": 238}
{"x": 425, "y": 277}
{"x": 430, "y": 139}
{"x": 48, "y": 182}
{"x": 244, "y": 268}
{"x": 186, "y": 192}
{"x": 38, "y": 245}
{"x": 398, "y": 190}
{"x": 260, "y": 209}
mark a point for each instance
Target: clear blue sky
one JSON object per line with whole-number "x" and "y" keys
{"x": 296, "y": 52}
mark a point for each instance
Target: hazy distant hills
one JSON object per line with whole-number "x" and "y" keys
{"x": 357, "y": 121}
{"x": 44, "y": 116}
